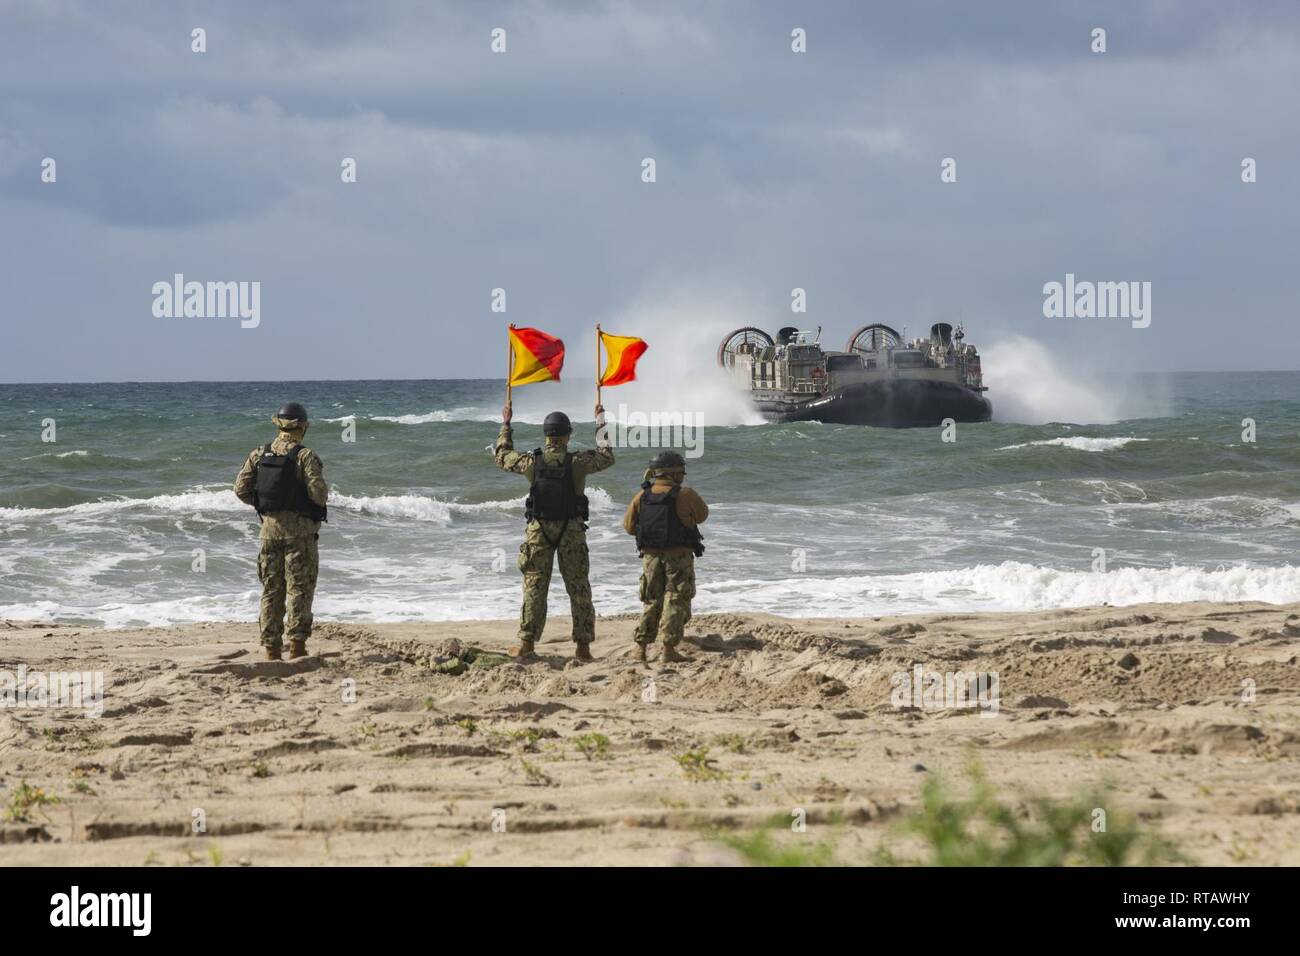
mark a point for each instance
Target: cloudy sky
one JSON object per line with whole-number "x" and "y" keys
{"x": 522, "y": 171}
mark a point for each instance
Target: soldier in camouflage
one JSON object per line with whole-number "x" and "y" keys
{"x": 557, "y": 526}
{"x": 284, "y": 482}
{"x": 664, "y": 516}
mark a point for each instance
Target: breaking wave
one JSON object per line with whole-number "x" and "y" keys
{"x": 1010, "y": 586}
{"x": 1078, "y": 443}
{"x": 188, "y": 502}
{"x": 467, "y": 413}
{"x": 415, "y": 507}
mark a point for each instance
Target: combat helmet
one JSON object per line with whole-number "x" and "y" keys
{"x": 667, "y": 461}
{"x": 556, "y": 424}
{"x": 292, "y": 411}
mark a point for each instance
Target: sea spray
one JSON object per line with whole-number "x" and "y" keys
{"x": 1029, "y": 385}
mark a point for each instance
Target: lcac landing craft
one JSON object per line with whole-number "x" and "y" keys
{"x": 877, "y": 380}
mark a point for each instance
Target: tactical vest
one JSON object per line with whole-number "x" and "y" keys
{"x": 280, "y": 486}
{"x": 659, "y": 526}
{"x": 552, "y": 497}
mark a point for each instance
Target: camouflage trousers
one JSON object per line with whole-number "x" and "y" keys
{"x": 287, "y": 569}
{"x": 536, "y": 560}
{"x": 667, "y": 586}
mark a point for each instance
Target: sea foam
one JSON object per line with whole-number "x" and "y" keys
{"x": 1078, "y": 443}
{"x": 1010, "y": 586}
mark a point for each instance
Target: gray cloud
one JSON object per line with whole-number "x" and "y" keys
{"x": 522, "y": 171}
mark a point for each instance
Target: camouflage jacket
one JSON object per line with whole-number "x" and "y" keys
{"x": 553, "y": 451}
{"x": 282, "y": 525}
{"x": 691, "y": 511}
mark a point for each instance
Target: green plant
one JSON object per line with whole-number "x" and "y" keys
{"x": 537, "y": 777}
{"x": 528, "y": 737}
{"x": 26, "y": 800}
{"x": 698, "y": 766}
{"x": 462, "y": 860}
{"x": 760, "y": 847}
{"x": 593, "y": 746}
{"x": 733, "y": 742}
{"x": 980, "y": 829}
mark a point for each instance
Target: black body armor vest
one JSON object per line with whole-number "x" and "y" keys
{"x": 281, "y": 487}
{"x": 552, "y": 497}
{"x": 658, "y": 525}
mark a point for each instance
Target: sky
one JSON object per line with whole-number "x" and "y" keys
{"x": 523, "y": 170}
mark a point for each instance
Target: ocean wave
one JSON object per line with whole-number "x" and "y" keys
{"x": 1007, "y": 587}
{"x": 414, "y": 507}
{"x": 188, "y": 502}
{"x": 1078, "y": 443}
{"x": 360, "y": 607}
{"x": 148, "y": 614}
{"x": 420, "y": 508}
{"x": 77, "y": 453}
{"x": 1234, "y": 511}
{"x": 195, "y": 501}
{"x": 465, "y": 413}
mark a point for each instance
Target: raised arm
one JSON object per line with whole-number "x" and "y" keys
{"x": 603, "y": 456}
{"x": 503, "y": 452}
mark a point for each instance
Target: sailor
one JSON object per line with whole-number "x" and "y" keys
{"x": 556, "y": 512}
{"x": 284, "y": 482}
{"x": 665, "y": 516}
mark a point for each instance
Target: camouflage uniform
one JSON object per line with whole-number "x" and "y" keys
{"x": 667, "y": 574}
{"x": 288, "y": 562}
{"x": 544, "y": 541}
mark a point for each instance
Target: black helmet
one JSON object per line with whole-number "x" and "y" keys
{"x": 292, "y": 410}
{"x": 556, "y": 423}
{"x": 667, "y": 461}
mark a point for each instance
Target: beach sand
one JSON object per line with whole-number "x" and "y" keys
{"x": 562, "y": 763}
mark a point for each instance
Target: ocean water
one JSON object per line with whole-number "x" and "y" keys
{"x": 103, "y": 525}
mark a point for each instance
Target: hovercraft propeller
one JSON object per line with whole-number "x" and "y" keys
{"x": 873, "y": 338}
{"x": 740, "y": 340}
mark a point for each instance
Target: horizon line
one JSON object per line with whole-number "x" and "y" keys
{"x": 499, "y": 379}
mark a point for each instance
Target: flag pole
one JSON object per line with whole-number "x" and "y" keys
{"x": 598, "y": 363}
{"x": 510, "y": 364}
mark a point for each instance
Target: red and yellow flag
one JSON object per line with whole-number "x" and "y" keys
{"x": 538, "y": 357}
{"x": 622, "y": 352}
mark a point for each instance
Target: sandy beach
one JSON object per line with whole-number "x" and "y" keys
{"x": 1190, "y": 712}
